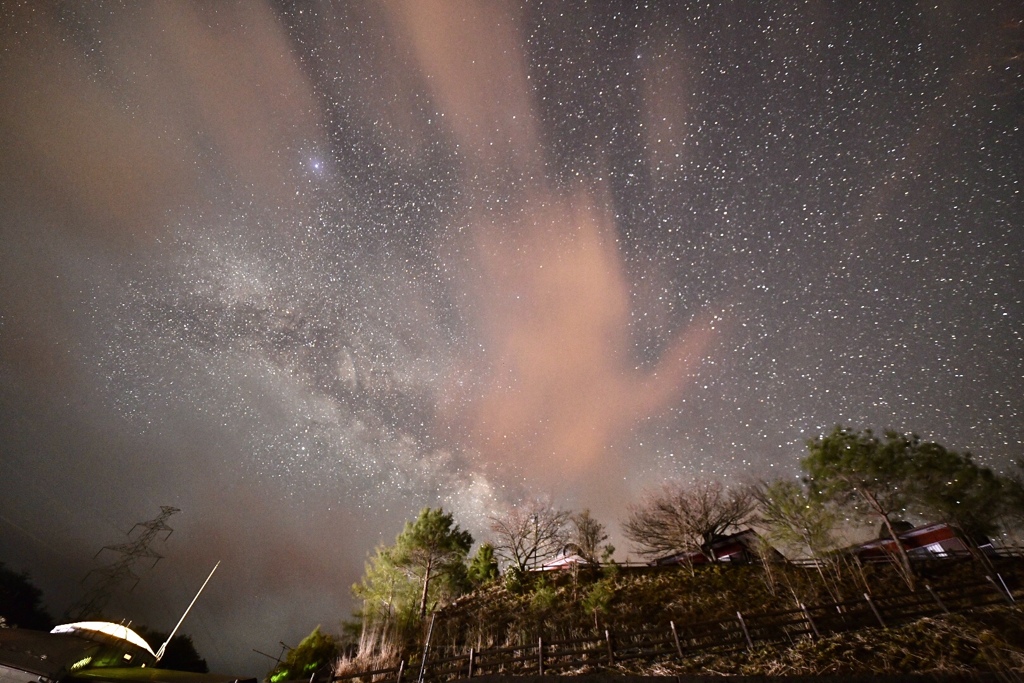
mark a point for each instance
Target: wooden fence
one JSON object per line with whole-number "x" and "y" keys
{"x": 743, "y": 632}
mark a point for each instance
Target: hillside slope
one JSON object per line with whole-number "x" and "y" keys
{"x": 565, "y": 605}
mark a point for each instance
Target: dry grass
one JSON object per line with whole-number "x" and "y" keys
{"x": 378, "y": 649}
{"x": 983, "y": 641}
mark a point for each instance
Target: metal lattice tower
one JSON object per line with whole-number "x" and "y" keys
{"x": 106, "y": 580}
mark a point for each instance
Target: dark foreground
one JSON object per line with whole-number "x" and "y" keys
{"x": 853, "y": 678}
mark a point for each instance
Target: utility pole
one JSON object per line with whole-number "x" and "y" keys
{"x": 111, "y": 577}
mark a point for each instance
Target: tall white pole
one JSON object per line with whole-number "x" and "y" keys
{"x": 163, "y": 648}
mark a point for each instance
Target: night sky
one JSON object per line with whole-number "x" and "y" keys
{"x": 303, "y": 269}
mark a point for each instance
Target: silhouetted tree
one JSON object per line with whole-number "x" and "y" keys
{"x": 181, "y": 653}
{"x": 21, "y": 602}
{"x": 529, "y": 534}
{"x": 680, "y": 517}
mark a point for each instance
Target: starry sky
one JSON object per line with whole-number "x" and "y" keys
{"x": 300, "y": 269}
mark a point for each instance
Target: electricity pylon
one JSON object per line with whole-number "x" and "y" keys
{"x": 107, "y": 579}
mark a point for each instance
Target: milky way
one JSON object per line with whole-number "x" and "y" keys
{"x": 302, "y": 269}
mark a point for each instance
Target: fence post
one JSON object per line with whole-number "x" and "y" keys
{"x": 471, "y": 656}
{"x": 1009, "y": 594}
{"x": 936, "y": 598}
{"x": 1008, "y": 598}
{"x": 807, "y": 616}
{"x": 540, "y": 656}
{"x": 611, "y": 652}
{"x": 675, "y": 637}
{"x": 874, "y": 609}
{"x": 746, "y": 633}
{"x": 426, "y": 647}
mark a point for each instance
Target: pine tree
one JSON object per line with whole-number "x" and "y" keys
{"x": 428, "y": 559}
{"x": 483, "y": 568}
{"x": 432, "y": 546}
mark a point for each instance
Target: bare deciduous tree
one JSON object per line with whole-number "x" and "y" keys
{"x": 679, "y": 517}
{"x": 526, "y": 535}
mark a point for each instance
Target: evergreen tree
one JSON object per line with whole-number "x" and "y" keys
{"x": 866, "y": 474}
{"x": 483, "y": 568}
{"x": 389, "y": 598}
{"x": 950, "y": 487}
{"x": 430, "y": 547}
{"x": 316, "y": 652}
{"x": 428, "y": 560}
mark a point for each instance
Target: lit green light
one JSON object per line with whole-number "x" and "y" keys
{"x": 81, "y": 663}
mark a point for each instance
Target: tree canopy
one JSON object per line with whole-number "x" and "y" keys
{"x": 947, "y": 486}
{"x": 902, "y": 475}
{"x": 388, "y": 596}
{"x": 483, "y": 568}
{"x": 21, "y": 602}
{"x": 317, "y": 651}
{"x": 857, "y": 470}
{"x": 428, "y": 560}
{"x": 527, "y": 535}
{"x": 588, "y": 537}
{"x": 181, "y": 653}
{"x": 793, "y": 518}
{"x": 680, "y": 516}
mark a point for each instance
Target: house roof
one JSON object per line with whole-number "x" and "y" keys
{"x": 722, "y": 547}
{"x": 565, "y": 561}
{"x": 915, "y": 538}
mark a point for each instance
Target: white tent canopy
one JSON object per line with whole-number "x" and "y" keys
{"x": 107, "y": 628}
